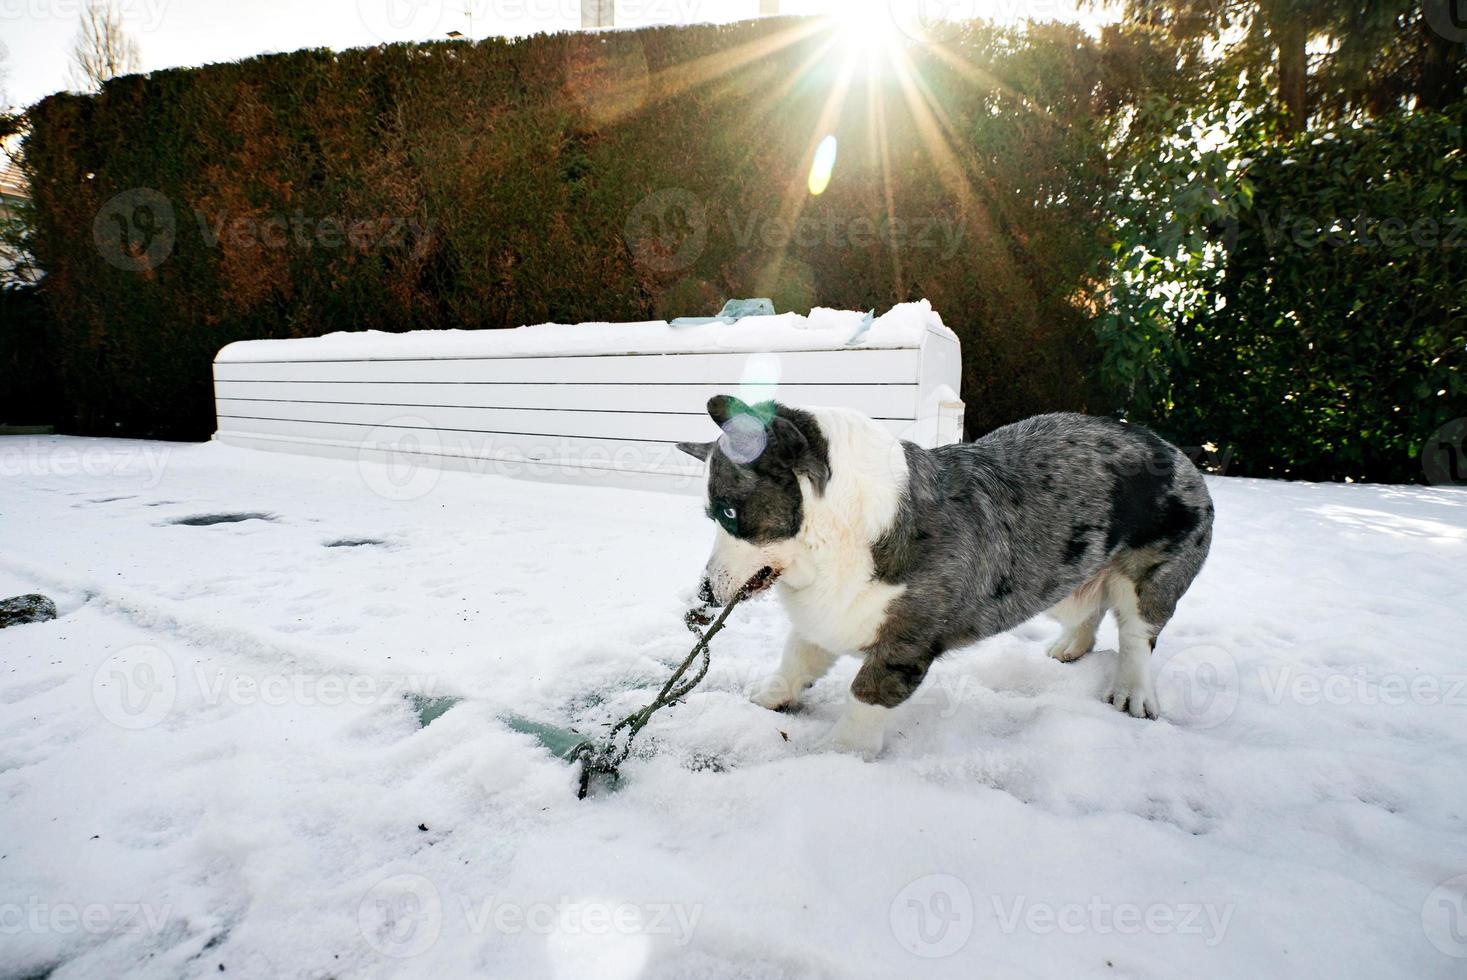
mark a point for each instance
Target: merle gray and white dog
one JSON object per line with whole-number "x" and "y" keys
{"x": 896, "y": 553}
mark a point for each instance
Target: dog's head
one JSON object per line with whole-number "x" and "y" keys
{"x": 759, "y": 471}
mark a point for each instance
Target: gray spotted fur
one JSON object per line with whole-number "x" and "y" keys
{"x": 991, "y": 533}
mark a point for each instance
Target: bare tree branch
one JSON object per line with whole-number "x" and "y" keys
{"x": 102, "y": 49}
{"x": 4, "y": 77}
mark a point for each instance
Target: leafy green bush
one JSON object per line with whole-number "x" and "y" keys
{"x": 1302, "y": 304}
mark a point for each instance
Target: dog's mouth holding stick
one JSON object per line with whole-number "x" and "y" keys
{"x": 759, "y": 582}
{"x": 762, "y": 580}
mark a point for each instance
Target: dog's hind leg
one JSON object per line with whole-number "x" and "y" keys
{"x": 802, "y": 664}
{"x": 1144, "y": 592}
{"x": 1144, "y": 587}
{"x": 1080, "y": 614}
{"x": 1131, "y": 689}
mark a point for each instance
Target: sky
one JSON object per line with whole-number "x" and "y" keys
{"x": 172, "y": 33}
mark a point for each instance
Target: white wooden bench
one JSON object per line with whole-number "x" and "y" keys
{"x": 590, "y": 402}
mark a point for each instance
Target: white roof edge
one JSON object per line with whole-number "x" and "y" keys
{"x": 902, "y": 327}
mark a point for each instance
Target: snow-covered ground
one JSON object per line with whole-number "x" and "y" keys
{"x": 209, "y": 762}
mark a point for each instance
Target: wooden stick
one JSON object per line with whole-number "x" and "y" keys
{"x": 609, "y": 756}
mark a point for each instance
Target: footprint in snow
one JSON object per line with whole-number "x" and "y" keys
{"x": 209, "y": 520}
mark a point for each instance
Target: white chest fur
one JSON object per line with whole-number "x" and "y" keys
{"x": 828, "y": 587}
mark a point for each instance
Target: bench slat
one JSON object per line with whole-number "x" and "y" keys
{"x": 725, "y": 370}
{"x": 894, "y": 401}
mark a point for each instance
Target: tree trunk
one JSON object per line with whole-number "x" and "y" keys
{"x": 1293, "y": 68}
{"x": 1440, "y": 82}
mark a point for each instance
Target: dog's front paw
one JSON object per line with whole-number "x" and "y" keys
{"x": 776, "y": 693}
{"x": 1135, "y": 696}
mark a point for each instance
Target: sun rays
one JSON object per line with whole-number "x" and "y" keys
{"x": 865, "y": 46}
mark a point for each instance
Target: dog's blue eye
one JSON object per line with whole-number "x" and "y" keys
{"x": 731, "y": 513}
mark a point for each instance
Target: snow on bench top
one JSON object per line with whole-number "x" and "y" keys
{"x": 903, "y": 326}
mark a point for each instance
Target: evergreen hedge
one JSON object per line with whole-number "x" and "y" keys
{"x": 29, "y": 394}
{"x": 614, "y": 176}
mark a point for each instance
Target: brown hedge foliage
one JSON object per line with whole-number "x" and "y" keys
{"x": 571, "y": 177}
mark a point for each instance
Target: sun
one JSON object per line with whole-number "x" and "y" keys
{"x": 866, "y": 26}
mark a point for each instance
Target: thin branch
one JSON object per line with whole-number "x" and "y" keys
{"x": 608, "y": 757}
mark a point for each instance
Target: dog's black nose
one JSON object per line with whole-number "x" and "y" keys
{"x": 706, "y": 596}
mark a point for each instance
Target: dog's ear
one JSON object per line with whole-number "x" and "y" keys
{"x": 721, "y": 408}
{"x": 697, "y": 450}
{"x": 786, "y": 439}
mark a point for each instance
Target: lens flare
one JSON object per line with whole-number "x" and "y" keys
{"x": 823, "y": 166}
